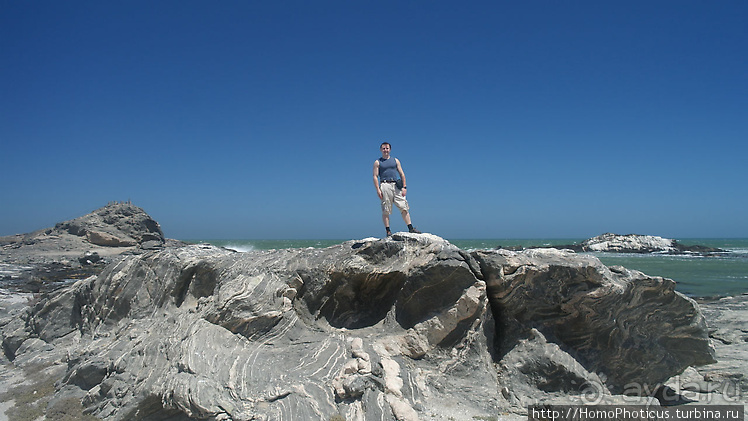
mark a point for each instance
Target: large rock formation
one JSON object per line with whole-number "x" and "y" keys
{"x": 631, "y": 243}
{"x": 115, "y": 225}
{"x": 404, "y": 328}
{"x": 635, "y": 243}
{"x": 78, "y": 248}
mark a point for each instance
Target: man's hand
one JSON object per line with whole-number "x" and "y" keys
{"x": 403, "y": 191}
{"x": 379, "y": 193}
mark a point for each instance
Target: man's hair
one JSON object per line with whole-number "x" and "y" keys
{"x": 385, "y": 143}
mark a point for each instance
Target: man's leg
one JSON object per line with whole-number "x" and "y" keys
{"x": 406, "y": 216}
{"x": 387, "y": 196}
{"x": 386, "y": 220}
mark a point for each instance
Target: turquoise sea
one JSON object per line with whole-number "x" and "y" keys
{"x": 695, "y": 276}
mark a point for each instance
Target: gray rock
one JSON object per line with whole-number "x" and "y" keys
{"x": 631, "y": 243}
{"x": 109, "y": 240}
{"x": 404, "y": 328}
{"x": 80, "y": 247}
{"x": 728, "y": 329}
{"x": 636, "y": 243}
{"x": 89, "y": 258}
{"x": 610, "y": 319}
{"x": 114, "y": 225}
{"x": 539, "y": 369}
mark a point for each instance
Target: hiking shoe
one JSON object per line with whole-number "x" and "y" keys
{"x": 414, "y": 231}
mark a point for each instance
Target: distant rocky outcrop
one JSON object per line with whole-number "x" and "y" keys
{"x": 79, "y": 247}
{"x": 115, "y": 225}
{"x": 631, "y": 243}
{"x": 405, "y": 328}
{"x": 635, "y": 243}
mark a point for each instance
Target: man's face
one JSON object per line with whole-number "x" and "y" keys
{"x": 385, "y": 150}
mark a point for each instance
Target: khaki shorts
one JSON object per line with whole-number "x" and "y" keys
{"x": 390, "y": 195}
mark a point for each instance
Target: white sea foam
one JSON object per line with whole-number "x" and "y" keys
{"x": 241, "y": 248}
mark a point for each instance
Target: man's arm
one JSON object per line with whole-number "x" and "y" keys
{"x": 402, "y": 175}
{"x": 376, "y": 179}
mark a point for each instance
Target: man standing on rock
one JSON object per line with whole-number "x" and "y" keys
{"x": 389, "y": 180}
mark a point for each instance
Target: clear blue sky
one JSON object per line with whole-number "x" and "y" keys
{"x": 262, "y": 119}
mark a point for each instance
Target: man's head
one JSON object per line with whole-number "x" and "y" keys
{"x": 385, "y": 147}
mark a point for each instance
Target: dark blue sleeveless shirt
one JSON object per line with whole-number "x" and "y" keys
{"x": 388, "y": 169}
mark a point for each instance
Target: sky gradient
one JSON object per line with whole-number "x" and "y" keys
{"x": 262, "y": 120}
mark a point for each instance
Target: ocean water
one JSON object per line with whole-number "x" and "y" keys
{"x": 695, "y": 276}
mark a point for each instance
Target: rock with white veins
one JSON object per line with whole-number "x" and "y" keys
{"x": 406, "y": 328}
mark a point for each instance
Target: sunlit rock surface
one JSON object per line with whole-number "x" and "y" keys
{"x": 629, "y": 243}
{"x": 404, "y": 328}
